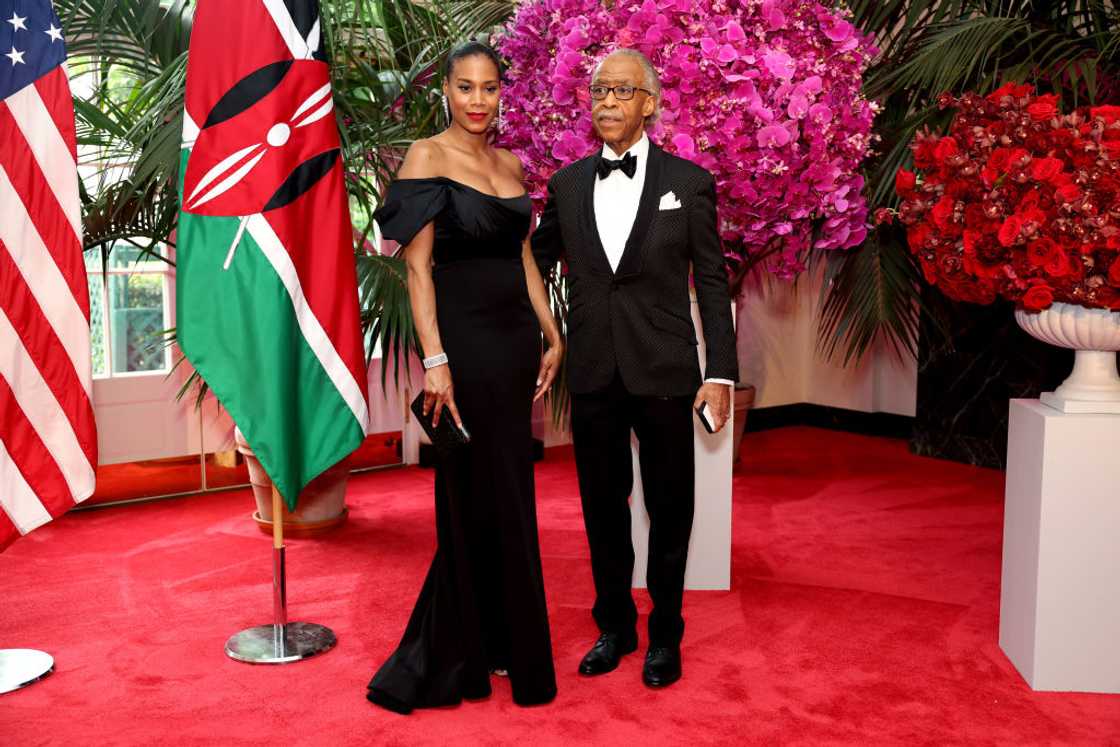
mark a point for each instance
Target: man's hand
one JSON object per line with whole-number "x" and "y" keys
{"x": 718, "y": 397}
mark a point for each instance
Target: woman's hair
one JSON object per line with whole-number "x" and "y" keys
{"x": 470, "y": 49}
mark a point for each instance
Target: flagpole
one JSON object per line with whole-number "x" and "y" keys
{"x": 281, "y": 642}
{"x": 19, "y": 667}
{"x": 279, "y": 571}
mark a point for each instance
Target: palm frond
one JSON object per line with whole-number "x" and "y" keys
{"x": 862, "y": 296}
{"x": 979, "y": 53}
{"x": 131, "y": 55}
{"x": 386, "y": 314}
{"x": 142, "y": 36}
{"x": 473, "y": 18}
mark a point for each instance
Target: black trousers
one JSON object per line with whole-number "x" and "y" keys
{"x": 601, "y": 425}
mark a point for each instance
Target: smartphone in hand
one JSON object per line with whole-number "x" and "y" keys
{"x": 705, "y": 414}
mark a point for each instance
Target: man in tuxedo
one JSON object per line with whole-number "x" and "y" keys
{"x": 630, "y": 220}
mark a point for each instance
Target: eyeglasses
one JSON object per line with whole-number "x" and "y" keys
{"x": 622, "y": 93}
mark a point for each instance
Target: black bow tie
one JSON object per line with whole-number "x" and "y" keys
{"x": 628, "y": 165}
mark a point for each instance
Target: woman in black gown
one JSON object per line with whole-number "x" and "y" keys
{"x": 460, "y": 210}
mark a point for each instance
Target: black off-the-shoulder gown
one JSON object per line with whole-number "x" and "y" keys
{"x": 482, "y": 605}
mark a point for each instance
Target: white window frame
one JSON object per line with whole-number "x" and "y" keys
{"x": 144, "y": 266}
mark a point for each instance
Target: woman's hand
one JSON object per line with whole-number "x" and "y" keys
{"x": 550, "y": 367}
{"x": 439, "y": 393}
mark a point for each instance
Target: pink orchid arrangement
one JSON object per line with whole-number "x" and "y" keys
{"x": 765, "y": 94}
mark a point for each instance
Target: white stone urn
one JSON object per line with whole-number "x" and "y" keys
{"x": 1094, "y": 385}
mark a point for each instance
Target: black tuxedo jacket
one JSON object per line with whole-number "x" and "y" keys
{"x": 637, "y": 320}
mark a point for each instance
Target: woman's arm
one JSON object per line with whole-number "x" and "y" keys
{"x": 421, "y": 162}
{"x": 538, "y": 296}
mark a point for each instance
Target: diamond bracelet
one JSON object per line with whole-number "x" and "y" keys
{"x": 435, "y": 360}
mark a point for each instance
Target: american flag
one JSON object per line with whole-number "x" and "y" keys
{"x": 48, "y": 440}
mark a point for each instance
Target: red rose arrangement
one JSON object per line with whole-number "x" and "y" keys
{"x": 1018, "y": 201}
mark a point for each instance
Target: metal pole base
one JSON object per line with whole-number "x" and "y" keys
{"x": 19, "y": 667}
{"x": 280, "y": 644}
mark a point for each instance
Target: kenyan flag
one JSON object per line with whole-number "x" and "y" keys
{"x": 267, "y": 299}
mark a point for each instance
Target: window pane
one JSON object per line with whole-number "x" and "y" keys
{"x": 128, "y": 257}
{"x": 122, "y": 256}
{"x": 125, "y": 256}
{"x": 97, "y": 324}
{"x": 137, "y": 322}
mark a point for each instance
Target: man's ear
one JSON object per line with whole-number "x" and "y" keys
{"x": 649, "y": 106}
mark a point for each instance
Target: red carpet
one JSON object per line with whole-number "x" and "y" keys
{"x": 864, "y": 610}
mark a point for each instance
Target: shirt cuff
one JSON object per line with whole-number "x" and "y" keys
{"x": 727, "y": 382}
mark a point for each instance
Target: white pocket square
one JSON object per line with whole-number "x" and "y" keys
{"x": 669, "y": 201}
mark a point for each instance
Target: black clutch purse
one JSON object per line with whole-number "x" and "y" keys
{"x": 445, "y": 437}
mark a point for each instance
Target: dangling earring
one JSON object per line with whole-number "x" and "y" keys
{"x": 446, "y": 109}
{"x": 500, "y": 120}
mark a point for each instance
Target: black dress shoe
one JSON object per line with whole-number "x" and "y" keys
{"x": 606, "y": 653}
{"x": 662, "y": 667}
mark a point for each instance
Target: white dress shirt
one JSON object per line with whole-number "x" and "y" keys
{"x": 616, "y": 201}
{"x": 617, "y": 198}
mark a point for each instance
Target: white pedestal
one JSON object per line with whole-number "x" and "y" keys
{"x": 1059, "y": 617}
{"x": 709, "y": 552}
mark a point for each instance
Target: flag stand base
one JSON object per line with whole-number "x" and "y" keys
{"x": 19, "y": 667}
{"x": 282, "y": 642}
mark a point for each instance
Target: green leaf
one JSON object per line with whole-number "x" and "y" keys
{"x": 870, "y": 295}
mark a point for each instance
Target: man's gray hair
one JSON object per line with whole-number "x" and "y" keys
{"x": 652, "y": 79}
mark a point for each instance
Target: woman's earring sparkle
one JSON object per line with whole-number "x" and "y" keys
{"x": 446, "y": 109}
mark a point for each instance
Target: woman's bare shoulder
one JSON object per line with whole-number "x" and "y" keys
{"x": 424, "y": 160}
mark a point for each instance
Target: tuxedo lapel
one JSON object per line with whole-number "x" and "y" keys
{"x": 593, "y": 241}
{"x": 631, "y": 261}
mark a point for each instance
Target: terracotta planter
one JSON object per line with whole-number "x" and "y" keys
{"x": 322, "y": 504}
{"x": 744, "y": 401}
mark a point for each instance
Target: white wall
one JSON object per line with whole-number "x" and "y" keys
{"x": 387, "y": 405}
{"x": 138, "y": 417}
{"x": 778, "y": 354}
